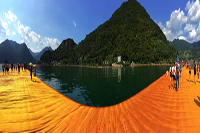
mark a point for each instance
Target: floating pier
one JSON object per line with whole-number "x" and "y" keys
{"x": 33, "y": 106}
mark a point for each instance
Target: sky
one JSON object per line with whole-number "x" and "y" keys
{"x": 41, "y": 23}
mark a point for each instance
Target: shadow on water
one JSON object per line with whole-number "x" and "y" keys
{"x": 197, "y": 101}
{"x": 99, "y": 86}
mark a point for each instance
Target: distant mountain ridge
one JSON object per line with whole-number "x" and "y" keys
{"x": 129, "y": 33}
{"x": 187, "y": 50}
{"x": 64, "y": 52}
{"x": 37, "y": 55}
{"x": 13, "y": 52}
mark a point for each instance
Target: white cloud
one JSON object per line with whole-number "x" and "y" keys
{"x": 74, "y": 23}
{"x": 4, "y": 27}
{"x": 173, "y": 26}
{"x": 160, "y": 25}
{"x": 35, "y": 38}
{"x": 13, "y": 33}
{"x": 182, "y": 38}
{"x": 193, "y": 12}
{"x": 1, "y": 41}
{"x": 188, "y": 5}
{"x": 23, "y": 31}
{"x": 177, "y": 19}
{"x": 35, "y": 50}
{"x": 10, "y": 16}
{"x": 30, "y": 37}
{"x": 192, "y": 34}
{"x": 189, "y": 27}
{"x": 53, "y": 42}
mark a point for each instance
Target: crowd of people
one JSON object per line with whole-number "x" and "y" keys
{"x": 6, "y": 68}
{"x": 175, "y": 73}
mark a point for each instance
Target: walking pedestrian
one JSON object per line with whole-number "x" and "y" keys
{"x": 171, "y": 76}
{"x": 195, "y": 69}
{"x": 177, "y": 76}
{"x": 7, "y": 68}
{"x": 180, "y": 71}
{"x": 11, "y": 67}
{"x": 189, "y": 72}
{"x": 18, "y": 68}
{"x": 25, "y": 67}
{"x": 31, "y": 66}
{"x": 3, "y": 68}
{"x": 198, "y": 71}
{"x": 174, "y": 75}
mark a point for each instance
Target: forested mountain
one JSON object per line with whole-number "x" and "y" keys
{"x": 129, "y": 33}
{"x": 186, "y": 50}
{"x": 12, "y": 52}
{"x": 64, "y": 53}
{"x": 37, "y": 55}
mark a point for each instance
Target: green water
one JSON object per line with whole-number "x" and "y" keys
{"x": 99, "y": 86}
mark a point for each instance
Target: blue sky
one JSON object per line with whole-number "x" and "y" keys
{"x": 41, "y": 23}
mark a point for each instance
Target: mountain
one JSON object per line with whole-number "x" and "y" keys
{"x": 129, "y": 33}
{"x": 15, "y": 53}
{"x": 187, "y": 50}
{"x": 65, "y": 52}
{"x": 33, "y": 53}
{"x": 37, "y": 55}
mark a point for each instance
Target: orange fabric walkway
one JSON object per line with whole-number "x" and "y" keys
{"x": 32, "y": 106}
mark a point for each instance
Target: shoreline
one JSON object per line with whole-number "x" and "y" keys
{"x": 107, "y": 66}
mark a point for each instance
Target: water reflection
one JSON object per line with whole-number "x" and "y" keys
{"x": 119, "y": 74}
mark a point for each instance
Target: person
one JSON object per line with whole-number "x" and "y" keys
{"x": 177, "y": 76}
{"x": 171, "y": 76}
{"x": 180, "y": 71}
{"x": 174, "y": 75}
{"x": 31, "y": 71}
{"x": 7, "y": 68}
{"x": 3, "y": 68}
{"x": 189, "y": 72}
{"x": 11, "y": 67}
{"x": 195, "y": 69}
{"x": 25, "y": 67}
{"x": 198, "y": 71}
{"x": 18, "y": 68}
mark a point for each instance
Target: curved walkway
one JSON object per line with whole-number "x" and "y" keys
{"x": 32, "y": 106}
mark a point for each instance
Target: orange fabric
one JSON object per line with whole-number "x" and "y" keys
{"x": 32, "y": 106}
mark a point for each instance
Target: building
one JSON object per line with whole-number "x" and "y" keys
{"x": 119, "y": 58}
{"x": 105, "y": 62}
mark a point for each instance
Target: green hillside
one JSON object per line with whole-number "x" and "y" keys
{"x": 186, "y": 50}
{"x": 129, "y": 33}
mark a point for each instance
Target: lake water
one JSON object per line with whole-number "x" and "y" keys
{"x": 99, "y": 86}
